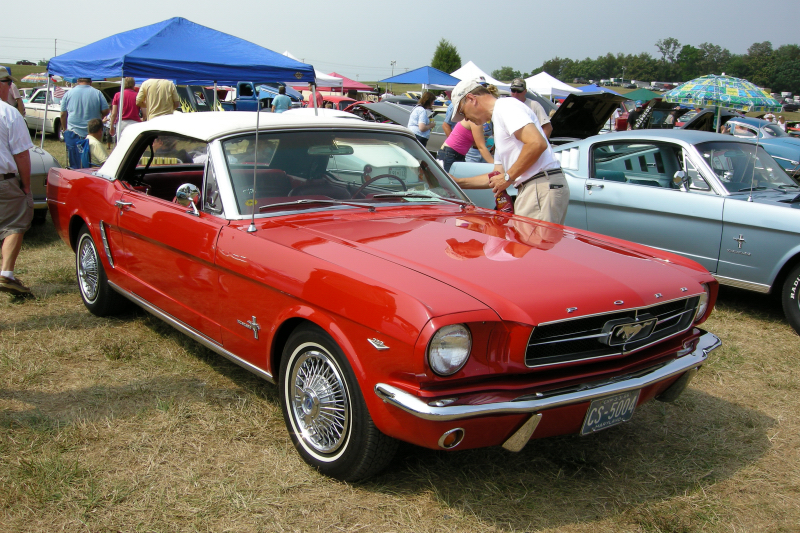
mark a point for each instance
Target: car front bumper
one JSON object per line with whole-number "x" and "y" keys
{"x": 532, "y": 403}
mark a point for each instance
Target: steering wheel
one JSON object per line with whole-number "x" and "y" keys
{"x": 376, "y": 178}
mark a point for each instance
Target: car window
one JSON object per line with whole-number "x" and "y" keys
{"x": 40, "y": 96}
{"x": 773, "y": 130}
{"x": 211, "y": 198}
{"x": 696, "y": 180}
{"x": 636, "y": 163}
{"x": 169, "y": 149}
{"x": 741, "y": 168}
{"x": 330, "y": 165}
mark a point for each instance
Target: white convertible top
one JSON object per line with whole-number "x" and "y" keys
{"x": 212, "y": 125}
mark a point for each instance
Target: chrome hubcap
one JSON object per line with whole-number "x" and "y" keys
{"x": 319, "y": 402}
{"x": 87, "y": 269}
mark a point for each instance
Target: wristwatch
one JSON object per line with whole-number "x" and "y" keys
{"x": 508, "y": 178}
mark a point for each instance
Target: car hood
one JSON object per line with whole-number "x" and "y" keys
{"x": 771, "y": 197}
{"x": 581, "y": 116}
{"x": 526, "y": 271}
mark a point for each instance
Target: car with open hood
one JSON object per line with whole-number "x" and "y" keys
{"x": 385, "y": 305}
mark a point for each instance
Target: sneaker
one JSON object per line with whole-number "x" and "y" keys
{"x": 13, "y": 285}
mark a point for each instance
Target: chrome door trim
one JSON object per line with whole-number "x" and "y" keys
{"x": 742, "y": 284}
{"x": 208, "y": 342}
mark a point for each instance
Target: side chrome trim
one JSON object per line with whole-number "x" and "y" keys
{"x": 208, "y": 342}
{"x": 741, "y": 284}
{"x": 589, "y": 391}
{"x": 105, "y": 244}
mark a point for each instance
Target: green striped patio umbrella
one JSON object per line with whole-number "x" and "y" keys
{"x": 722, "y": 91}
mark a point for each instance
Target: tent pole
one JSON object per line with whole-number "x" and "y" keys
{"x": 314, "y": 93}
{"x": 121, "y": 103}
{"x": 215, "y": 95}
{"x": 46, "y": 105}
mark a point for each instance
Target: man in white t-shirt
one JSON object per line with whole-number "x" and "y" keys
{"x": 523, "y": 157}
{"x": 16, "y": 202}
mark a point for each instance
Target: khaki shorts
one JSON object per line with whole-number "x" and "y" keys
{"x": 545, "y": 198}
{"x": 16, "y": 208}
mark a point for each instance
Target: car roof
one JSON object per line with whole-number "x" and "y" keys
{"x": 212, "y": 125}
{"x": 665, "y": 135}
{"x": 759, "y": 123}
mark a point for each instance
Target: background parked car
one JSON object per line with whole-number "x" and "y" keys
{"x": 35, "y": 111}
{"x": 389, "y": 112}
{"x": 780, "y": 145}
{"x": 41, "y": 163}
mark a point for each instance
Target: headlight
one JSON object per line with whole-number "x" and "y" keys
{"x": 449, "y": 349}
{"x": 702, "y": 303}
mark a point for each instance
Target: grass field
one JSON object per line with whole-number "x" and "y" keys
{"x": 125, "y": 425}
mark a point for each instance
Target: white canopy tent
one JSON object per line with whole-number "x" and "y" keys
{"x": 471, "y": 71}
{"x": 323, "y": 80}
{"x": 546, "y": 85}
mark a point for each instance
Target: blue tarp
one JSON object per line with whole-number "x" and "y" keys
{"x": 180, "y": 50}
{"x": 424, "y": 76}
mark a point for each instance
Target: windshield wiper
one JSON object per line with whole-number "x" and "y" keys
{"x": 752, "y": 189}
{"x": 320, "y": 201}
{"x": 787, "y": 186}
{"x": 462, "y": 203}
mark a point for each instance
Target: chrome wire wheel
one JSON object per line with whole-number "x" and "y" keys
{"x": 88, "y": 268}
{"x": 319, "y": 402}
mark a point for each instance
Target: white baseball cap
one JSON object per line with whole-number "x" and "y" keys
{"x": 459, "y": 92}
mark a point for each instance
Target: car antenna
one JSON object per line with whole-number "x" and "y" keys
{"x": 252, "y": 227}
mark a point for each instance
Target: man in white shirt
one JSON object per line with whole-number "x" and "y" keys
{"x": 16, "y": 201}
{"x": 523, "y": 157}
{"x": 519, "y": 90}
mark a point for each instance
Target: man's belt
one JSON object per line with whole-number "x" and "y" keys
{"x": 542, "y": 174}
{"x": 9, "y": 175}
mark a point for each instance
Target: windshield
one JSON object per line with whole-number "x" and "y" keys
{"x": 773, "y": 130}
{"x": 332, "y": 165}
{"x": 741, "y": 169}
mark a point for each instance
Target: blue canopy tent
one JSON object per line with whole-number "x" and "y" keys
{"x": 180, "y": 50}
{"x": 593, "y": 88}
{"x": 428, "y": 77}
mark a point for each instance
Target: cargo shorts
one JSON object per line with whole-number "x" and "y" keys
{"x": 16, "y": 208}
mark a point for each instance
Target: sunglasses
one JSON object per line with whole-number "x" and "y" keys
{"x": 517, "y": 90}
{"x": 8, "y": 81}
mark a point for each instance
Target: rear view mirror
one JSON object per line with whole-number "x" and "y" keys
{"x": 330, "y": 149}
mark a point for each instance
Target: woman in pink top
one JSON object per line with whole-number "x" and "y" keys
{"x": 130, "y": 113}
{"x": 464, "y": 136}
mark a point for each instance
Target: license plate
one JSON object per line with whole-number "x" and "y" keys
{"x": 400, "y": 172}
{"x": 610, "y": 411}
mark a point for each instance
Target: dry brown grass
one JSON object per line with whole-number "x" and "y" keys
{"x": 125, "y": 425}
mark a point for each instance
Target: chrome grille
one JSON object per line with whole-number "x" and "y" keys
{"x": 579, "y": 339}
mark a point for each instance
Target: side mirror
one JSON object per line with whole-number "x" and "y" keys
{"x": 187, "y": 195}
{"x": 681, "y": 179}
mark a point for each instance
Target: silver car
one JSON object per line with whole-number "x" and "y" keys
{"x": 718, "y": 200}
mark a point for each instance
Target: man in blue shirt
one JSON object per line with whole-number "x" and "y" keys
{"x": 281, "y": 102}
{"x": 81, "y": 104}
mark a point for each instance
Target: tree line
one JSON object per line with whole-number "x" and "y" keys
{"x": 776, "y": 69}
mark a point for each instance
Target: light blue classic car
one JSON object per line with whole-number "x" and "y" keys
{"x": 779, "y": 144}
{"x": 714, "y": 198}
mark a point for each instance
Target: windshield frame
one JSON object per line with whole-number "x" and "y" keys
{"x": 235, "y": 213}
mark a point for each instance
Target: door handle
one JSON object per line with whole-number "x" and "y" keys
{"x": 590, "y": 185}
{"x": 121, "y": 204}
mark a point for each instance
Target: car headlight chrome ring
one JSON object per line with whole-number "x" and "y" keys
{"x": 449, "y": 349}
{"x": 702, "y": 303}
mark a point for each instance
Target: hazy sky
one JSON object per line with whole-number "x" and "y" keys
{"x": 360, "y": 39}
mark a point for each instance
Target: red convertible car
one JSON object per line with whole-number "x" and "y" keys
{"x": 335, "y": 258}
